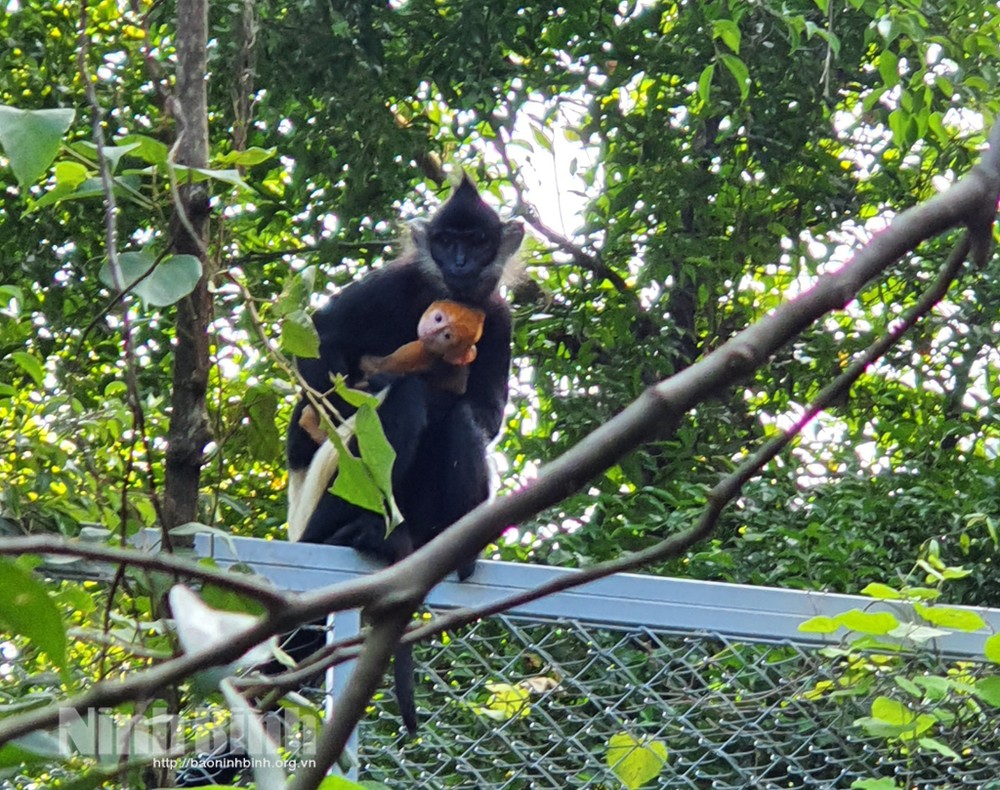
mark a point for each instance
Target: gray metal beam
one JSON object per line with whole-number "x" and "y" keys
{"x": 625, "y": 599}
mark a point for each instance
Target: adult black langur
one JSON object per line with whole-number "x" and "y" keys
{"x": 440, "y": 436}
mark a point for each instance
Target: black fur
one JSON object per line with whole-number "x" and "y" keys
{"x": 440, "y": 438}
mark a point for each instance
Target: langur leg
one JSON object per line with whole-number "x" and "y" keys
{"x": 449, "y": 478}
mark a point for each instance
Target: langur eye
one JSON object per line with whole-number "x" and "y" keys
{"x": 438, "y": 317}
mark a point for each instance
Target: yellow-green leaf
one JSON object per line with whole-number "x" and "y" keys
{"x": 877, "y": 623}
{"x": 71, "y": 174}
{"x": 635, "y": 763}
{"x": 29, "y": 365}
{"x": 729, "y": 32}
{"x": 948, "y": 617}
{"x": 992, "y": 648}
{"x": 884, "y": 591}
{"x": 988, "y": 690}
{"x": 819, "y": 625}
{"x": 507, "y": 701}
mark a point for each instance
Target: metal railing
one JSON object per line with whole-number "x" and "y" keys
{"x": 713, "y": 683}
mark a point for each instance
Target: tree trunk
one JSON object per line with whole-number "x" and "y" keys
{"x": 189, "y": 428}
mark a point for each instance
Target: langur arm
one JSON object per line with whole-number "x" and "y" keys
{"x": 412, "y": 357}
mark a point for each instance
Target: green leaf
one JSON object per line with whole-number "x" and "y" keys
{"x": 867, "y": 622}
{"x": 729, "y": 32}
{"x": 892, "y": 711}
{"x": 295, "y": 293}
{"x": 354, "y": 484}
{"x": 992, "y": 648}
{"x": 936, "y": 688}
{"x": 883, "y": 591}
{"x": 917, "y": 633}
{"x": 633, "y": 762}
{"x": 705, "y": 83}
{"x": 299, "y": 336}
{"x": 8, "y": 292}
{"x": 541, "y": 138}
{"x": 888, "y": 68}
{"x": 27, "y": 610}
{"x": 375, "y": 450}
{"x": 505, "y": 702}
{"x": 892, "y": 719}
{"x": 228, "y": 601}
{"x": 112, "y": 153}
{"x": 934, "y": 745}
{"x": 70, "y": 174}
{"x": 355, "y": 398}
{"x": 948, "y": 617}
{"x": 29, "y": 365}
{"x": 815, "y": 30}
{"x": 196, "y": 174}
{"x": 261, "y": 404}
{"x": 819, "y": 625}
{"x": 148, "y": 149}
{"x": 340, "y": 783}
{"x": 34, "y": 747}
{"x": 31, "y": 139}
{"x": 898, "y": 124}
{"x": 922, "y": 593}
{"x": 988, "y": 690}
{"x": 740, "y": 73}
{"x": 875, "y": 784}
{"x": 943, "y": 84}
{"x": 935, "y": 122}
{"x": 909, "y": 686}
{"x": 122, "y": 186}
{"x": 248, "y": 158}
{"x": 878, "y": 728}
{"x": 172, "y": 279}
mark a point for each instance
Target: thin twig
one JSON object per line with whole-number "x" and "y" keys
{"x": 581, "y": 258}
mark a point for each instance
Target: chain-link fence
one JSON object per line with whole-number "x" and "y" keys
{"x": 554, "y": 695}
{"x": 729, "y": 714}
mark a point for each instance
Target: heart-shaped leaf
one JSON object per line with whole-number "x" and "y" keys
{"x": 31, "y": 139}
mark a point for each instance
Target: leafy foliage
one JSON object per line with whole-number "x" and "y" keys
{"x": 685, "y": 168}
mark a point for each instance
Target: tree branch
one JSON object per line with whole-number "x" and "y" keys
{"x": 660, "y": 409}
{"x": 294, "y": 611}
{"x": 350, "y": 706}
{"x": 167, "y": 563}
{"x": 728, "y": 488}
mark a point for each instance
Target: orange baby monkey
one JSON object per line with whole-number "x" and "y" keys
{"x": 447, "y": 334}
